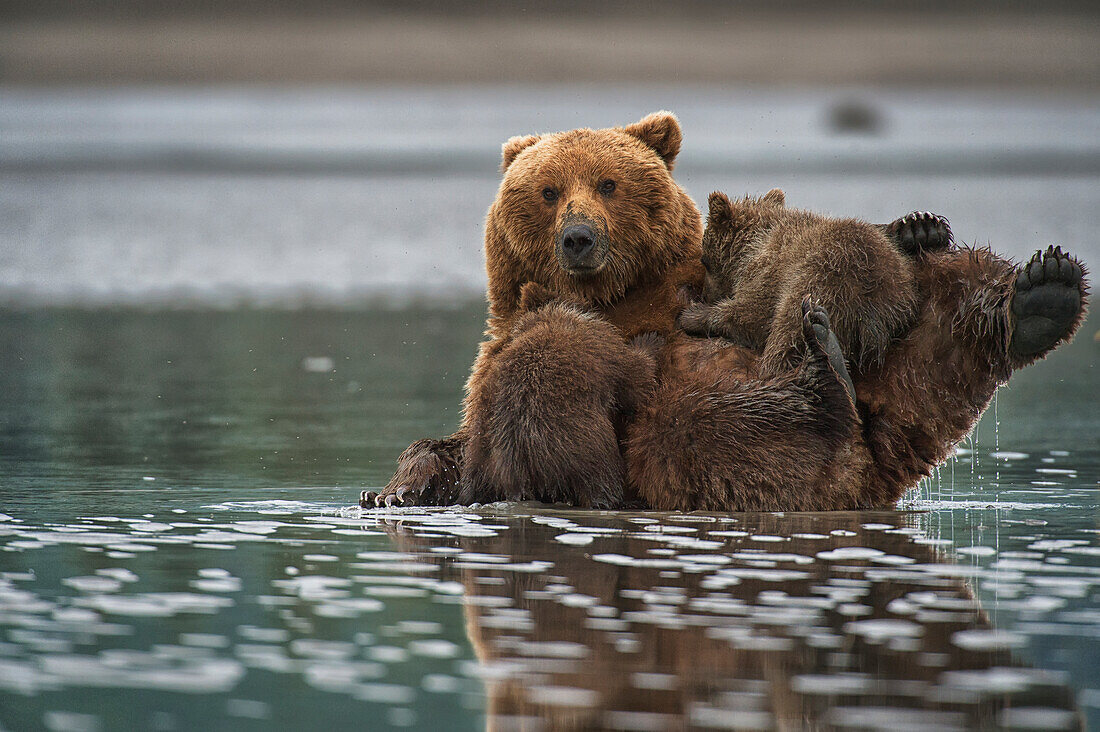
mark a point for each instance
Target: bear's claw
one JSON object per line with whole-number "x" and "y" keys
{"x": 819, "y": 335}
{"x": 1047, "y": 298}
{"x": 403, "y": 496}
{"x": 920, "y": 231}
{"x": 428, "y": 473}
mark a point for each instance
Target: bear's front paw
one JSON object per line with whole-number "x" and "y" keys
{"x": 402, "y": 496}
{"x": 1047, "y": 299}
{"x": 696, "y": 319}
{"x": 920, "y": 231}
{"x": 427, "y": 474}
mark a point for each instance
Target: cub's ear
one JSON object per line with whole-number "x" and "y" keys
{"x": 660, "y": 131}
{"x": 514, "y": 146}
{"x": 533, "y": 296}
{"x": 720, "y": 209}
{"x": 775, "y": 197}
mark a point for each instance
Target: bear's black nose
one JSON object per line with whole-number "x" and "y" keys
{"x": 577, "y": 241}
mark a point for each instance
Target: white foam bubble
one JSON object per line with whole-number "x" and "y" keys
{"x": 575, "y": 539}
{"x": 93, "y": 583}
{"x": 987, "y": 640}
{"x": 564, "y": 696}
{"x": 880, "y": 629}
{"x": 434, "y": 648}
{"x": 850, "y": 552}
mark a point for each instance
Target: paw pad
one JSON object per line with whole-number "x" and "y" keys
{"x": 921, "y": 231}
{"x": 1046, "y": 301}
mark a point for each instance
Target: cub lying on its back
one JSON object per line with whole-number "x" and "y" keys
{"x": 763, "y": 258}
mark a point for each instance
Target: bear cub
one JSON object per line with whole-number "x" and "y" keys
{"x": 558, "y": 397}
{"x": 762, "y": 259}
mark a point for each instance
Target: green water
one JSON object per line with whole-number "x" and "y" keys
{"x": 181, "y": 550}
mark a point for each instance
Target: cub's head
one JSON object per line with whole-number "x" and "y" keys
{"x": 730, "y": 226}
{"x": 591, "y": 212}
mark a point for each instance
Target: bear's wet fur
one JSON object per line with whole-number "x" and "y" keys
{"x": 762, "y": 258}
{"x": 558, "y": 398}
{"x": 974, "y": 320}
{"x": 711, "y": 438}
{"x": 553, "y": 409}
{"x": 976, "y": 314}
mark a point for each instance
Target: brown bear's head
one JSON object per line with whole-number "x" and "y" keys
{"x": 731, "y": 225}
{"x": 591, "y": 212}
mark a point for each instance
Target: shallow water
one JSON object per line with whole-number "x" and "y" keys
{"x": 180, "y": 550}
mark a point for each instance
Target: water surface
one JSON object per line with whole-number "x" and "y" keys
{"x": 181, "y": 549}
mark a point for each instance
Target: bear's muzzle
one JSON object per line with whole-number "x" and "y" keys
{"x": 581, "y": 247}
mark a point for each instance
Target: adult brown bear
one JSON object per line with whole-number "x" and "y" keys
{"x": 595, "y": 215}
{"x": 592, "y": 213}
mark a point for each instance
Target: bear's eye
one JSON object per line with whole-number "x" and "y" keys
{"x": 606, "y": 187}
{"x": 549, "y": 194}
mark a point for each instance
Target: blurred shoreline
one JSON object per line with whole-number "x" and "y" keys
{"x": 444, "y": 130}
{"x": 345, "y": 196}
{"x": 970, "y": 44}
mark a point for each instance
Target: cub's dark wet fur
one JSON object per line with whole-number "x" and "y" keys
{"x": 548, "y": 424}
{"x": 762, "y": 258}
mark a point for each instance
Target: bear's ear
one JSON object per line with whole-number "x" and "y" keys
{"x": 660, "y": 131}
{"x": 775, "y": 197}
{"x": 720, "y": 209}
{"x": 514, "y": 146}
{"x": 533, "y": 296}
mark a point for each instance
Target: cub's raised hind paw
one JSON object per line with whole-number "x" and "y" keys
{"x": 920, "y": 231}
{"x": 1047, "y": 300}
{"x": 821, "y": 339}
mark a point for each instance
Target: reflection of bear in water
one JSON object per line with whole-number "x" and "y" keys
{"x": 595, "y": 215}
{"x": 693, "y": 623}
{"x": 595, "y": 382}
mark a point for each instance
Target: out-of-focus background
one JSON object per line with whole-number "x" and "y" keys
{"x": 337, "y": 152}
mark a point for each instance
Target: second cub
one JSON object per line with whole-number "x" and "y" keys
{"x": 763, "y": 258}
